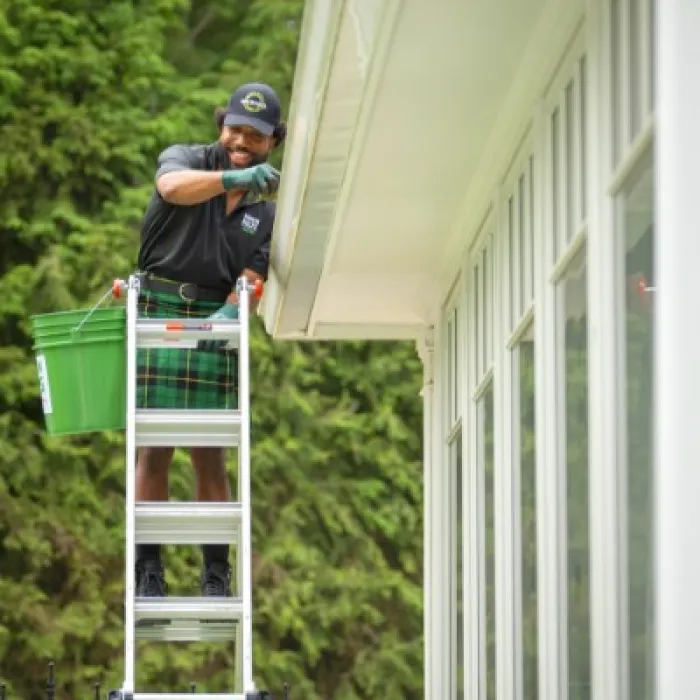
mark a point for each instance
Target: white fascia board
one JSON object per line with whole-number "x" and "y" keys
{"x": 320, "y": 23}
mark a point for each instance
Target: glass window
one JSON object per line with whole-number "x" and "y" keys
{"x": 451, "y": 379}
{"x": 513, "y": 261}
{"x": 583, "y": 141}
{"x": 478, "y": 321}
{"x": 456, "y": 392}
{"x": 651, "y": 38}
{"x": 532, "y": 227}
{"x": 638, "y": 223}
{"x": 523, "y": 245}
{"x": 636, "y": 63}
{"x": 458, "y": 562}
{"x": 555, "y": 184}
{"x": 573, "y": 313}
{"x": 617, "y": 79}
{"x": 486, "y": 412}
{"x": 570, "y": 155}
{"x": 525, "y": 363}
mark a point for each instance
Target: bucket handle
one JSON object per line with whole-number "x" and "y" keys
{"x": 101, "y": 301}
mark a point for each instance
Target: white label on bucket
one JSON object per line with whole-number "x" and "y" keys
{"x": 44, "y": 385}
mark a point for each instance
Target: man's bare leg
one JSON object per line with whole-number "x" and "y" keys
{"x": 152, "y": 466}
{"x": 213, "y": 484}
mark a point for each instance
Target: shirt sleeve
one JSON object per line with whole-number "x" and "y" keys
{"x": 259, "y": 261}
{"x": 179, "y": 157}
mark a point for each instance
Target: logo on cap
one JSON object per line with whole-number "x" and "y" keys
{"x": 254, "y": 102}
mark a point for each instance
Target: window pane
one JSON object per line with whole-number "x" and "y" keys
{"x": 528, "y": 513}
{"x": 639, "y": 335}
{"x": 635, "y": 67}
{"x": 617, "y": 78}
{"x": 456, "y": 366}
{"x": 573, "y": 305}
{"x": 478, "y": 323}
{"x": 512, "y": 257}
{"x": 486, "y": 298}
{"x": 583, "y": 141}
{"x": 571, "y": 164}
{"x": 458, "y": 562}
{"x": 532, "y": 228}
{"x": 523, "y": 239}
{"x": 490, "y": 577}
{"x": 450, "y": 375}
{"x": 651, "y": 25}
{"x": 555, "y": 183}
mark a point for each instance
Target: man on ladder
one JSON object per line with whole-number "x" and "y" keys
{"x": 205, "y": 226}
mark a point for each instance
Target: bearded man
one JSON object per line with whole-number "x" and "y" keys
{"x": 206, "y": 225}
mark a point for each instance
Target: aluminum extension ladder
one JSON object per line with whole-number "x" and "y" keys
{"x": 192, "y": 523}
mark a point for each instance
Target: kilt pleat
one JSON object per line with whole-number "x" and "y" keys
{"x": 183, "y": 378}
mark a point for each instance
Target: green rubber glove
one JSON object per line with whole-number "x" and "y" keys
{"x": 228, "y": 312}
{"x": 261, "y": 179}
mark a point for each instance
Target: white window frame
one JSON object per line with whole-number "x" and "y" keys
{"x": 449, "y": 409}
{"x": 618, "y": 163}
{"x": 480, "y": 376}
{"x": 609, "y": 165}
{"x": 517, "y": 316}
{"x": 552, "y": 258}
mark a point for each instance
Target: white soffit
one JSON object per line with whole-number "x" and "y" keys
{"x": 397, "y": 133}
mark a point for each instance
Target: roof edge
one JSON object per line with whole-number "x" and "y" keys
{"x": 320, "y": 25}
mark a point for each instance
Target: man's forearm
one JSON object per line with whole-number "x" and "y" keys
{"x": 189, "y": 187}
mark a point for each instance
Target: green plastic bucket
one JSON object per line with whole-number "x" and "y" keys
{"x": 81, "y": 363}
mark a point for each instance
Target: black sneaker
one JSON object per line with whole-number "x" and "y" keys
{"x": 150, "y": 580}
{"x": 216, "y": 579}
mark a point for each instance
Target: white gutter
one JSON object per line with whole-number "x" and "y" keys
{"x": 320, "y": 24}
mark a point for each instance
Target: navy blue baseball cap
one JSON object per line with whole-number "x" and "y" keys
{"x": 256, "y": 105}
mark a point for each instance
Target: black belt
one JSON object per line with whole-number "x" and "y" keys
{"x": 187, "y": 291}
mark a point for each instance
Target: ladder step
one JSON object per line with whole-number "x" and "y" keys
{"x": 192, "y": 608}
{"x": 189, "y": 696}
{"x": 184, "y": 332}
{"x": 168, "y": 427}
{"x": 174, "y": 522}
{"x": 187, "y": 631}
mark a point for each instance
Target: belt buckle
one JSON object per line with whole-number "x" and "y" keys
{"x": 181, "y": 292}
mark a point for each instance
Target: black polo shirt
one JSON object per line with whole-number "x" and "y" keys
{"x": 201, "y": 244}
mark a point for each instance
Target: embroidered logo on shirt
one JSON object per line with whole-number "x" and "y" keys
{"x": 249, "y": 224}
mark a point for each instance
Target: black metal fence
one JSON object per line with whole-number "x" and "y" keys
{"x": 97, "y": 692}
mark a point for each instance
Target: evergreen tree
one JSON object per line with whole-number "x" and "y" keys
{"x": 89, "y": 94}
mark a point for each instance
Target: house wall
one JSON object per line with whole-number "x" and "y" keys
{"x": 539, "y": 402}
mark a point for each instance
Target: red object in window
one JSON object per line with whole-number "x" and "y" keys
{"x": 642, "y": 287}
{"x": 643, "y": 292}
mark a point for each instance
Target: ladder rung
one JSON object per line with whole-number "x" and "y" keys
{"x": 189, "y": 696}
{"x": 193, "y": 608}
{"x": 169, "y": 427}
{"x": 187, "y": 631}
{"x": 184, "y": 332}
{"x": 175, "y": 522}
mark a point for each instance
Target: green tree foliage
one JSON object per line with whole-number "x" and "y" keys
{"x": 528, "y": 520}
{"x": 89, "y": 94}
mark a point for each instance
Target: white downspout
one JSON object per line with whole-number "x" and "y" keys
{"x": 677, "y": 350}
{"x": 426, "y": 353}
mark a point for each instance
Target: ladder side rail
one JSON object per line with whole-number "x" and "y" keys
{"x": 130, "y": 554}
{"x": 245, "y": 552}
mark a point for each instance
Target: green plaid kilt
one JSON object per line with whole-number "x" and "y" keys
{"x": 183, "y": 378}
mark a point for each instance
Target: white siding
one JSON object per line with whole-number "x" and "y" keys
{"x": 532, "y": 396}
